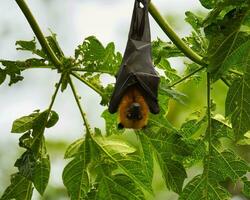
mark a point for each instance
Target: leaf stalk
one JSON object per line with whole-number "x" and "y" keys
{"x": 37, "y": 31}
{"x": 83, "y": 114}
{"x": 174, "y": 37}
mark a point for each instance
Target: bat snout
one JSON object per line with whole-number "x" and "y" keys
{"x": 134, "y": 112}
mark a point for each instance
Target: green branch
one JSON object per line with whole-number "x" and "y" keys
{"x": 88, "y": 129}
{"x": 86, "y": 83}
{"x": 55, "y": 94}
{"x": 48, "y": 111}
{"x": 187, "y": 76}
{"x": 36, "y": 29}
{"x": 174, "y": 37}
{"x": 209, "y": 129}
{"x": 235, "y": 72}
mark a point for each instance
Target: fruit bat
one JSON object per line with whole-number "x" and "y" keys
{"x": 136, "y": 88}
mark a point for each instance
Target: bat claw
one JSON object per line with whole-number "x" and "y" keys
{"x": 120, "y": 126}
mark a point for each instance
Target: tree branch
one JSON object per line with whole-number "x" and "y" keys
{"x": 36, "y": 29}
{"x": 174, "y": 37}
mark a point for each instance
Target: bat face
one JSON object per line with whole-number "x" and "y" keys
{"x": 133, "y": 109}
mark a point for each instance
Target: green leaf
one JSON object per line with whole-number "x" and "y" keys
{"x": 174, "y": 94}
{"x": 201, "y": 188}
{"x": 97, "y": 58}
{"x": 12, "y": 69}
{"x": 73, "y": 149}
{"x": 238, "y": 97}
{"x": 222, "y": 45}
{"x": 41, "y": 173}
{"x": 111, "y": 122}
{"x": 163, "y": 50}
{"x": 75, "y": 174}
{"x": 118, "y": 187}
{"x": 246, "y": 189}
{"x": 170, "y": 73}
{"x": 76, "y": 179}
{"x": 209, "y": 4}
{"x": 129, "y": 163}
{"x": 24, "y": 124}
{"x": 193, "y": 20}
{"x": 114, "y": 146}
{"x": 2, "y": 76}
{"x": 221, "y": 129}
{"x": 190, "y": 128}
{"x": 53, "y": 119}
{"x": 95, "y": 82}
{"x": 225, "y": 165}
{"x": 146, "y": 153}
{"x": 26, "y": 164}
{"x": 19, "y": 189}
{"x": 167, "y": 146}
{"x": 30, "y": 46}
{"x": 219, "y": 60}
{"x": 174, "y": 173}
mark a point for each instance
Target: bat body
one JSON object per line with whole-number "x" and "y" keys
{"x": 133, "y": 109}
{"x": 136, "y": 81}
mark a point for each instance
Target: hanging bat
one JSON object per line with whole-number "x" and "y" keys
{"x": 136, "y": 88}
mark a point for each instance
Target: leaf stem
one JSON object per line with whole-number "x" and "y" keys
{"x": 173, "y": 36}
{"x": 236, "y": 72}
{"x": 209, "y": 129}
{"x": 83, "y": 114}
{"x": 55, "y": 94}
{"x": 48, "y": 111}
{"x": 36, "y": 29}
{"x": 187, "y": 76}
{"x": 86, "y": 83}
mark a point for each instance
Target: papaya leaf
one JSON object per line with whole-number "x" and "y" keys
{"x": 94, "y": 57}
{"x": 166, "y": 146}
{"x": 200, "y": 187}
{"x": 118, "y": 187}
{"x": 75, "y": 174}
{"x": 73, "y": 149}
{"x": 238, "y": 97}
{"x": 130, "y": 163}
{"x": 24, "y": 124}
{"x": 19, "y": 189}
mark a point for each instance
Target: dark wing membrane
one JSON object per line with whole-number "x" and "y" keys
{"x": 137, "y": 68}
{"x": 149, "y": 84}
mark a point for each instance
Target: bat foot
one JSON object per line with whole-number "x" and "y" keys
{"x": 120, "y": 126}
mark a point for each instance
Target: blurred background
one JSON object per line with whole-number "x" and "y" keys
{"x": 72, "y": 21}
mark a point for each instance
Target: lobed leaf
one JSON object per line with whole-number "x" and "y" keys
{"x": 75, "y": 174}
{"x": 19, "y": 189}
{"x": 118, "y": 187}
{"x": 130, "y": 164}
{"x": 201, "y": 188}
{"x": 238, "y": 97}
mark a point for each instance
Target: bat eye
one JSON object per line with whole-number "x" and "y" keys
{"x": 129, "y": 115}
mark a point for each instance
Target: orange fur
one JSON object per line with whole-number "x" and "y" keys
{"x": 133, "y": 95}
